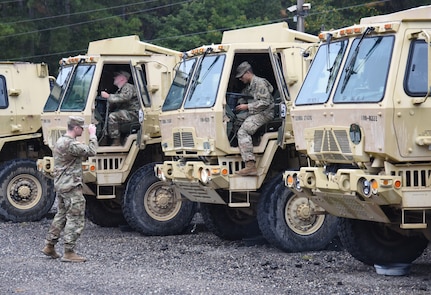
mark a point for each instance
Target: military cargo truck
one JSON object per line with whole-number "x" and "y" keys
{"x": 362, "y": 116}
{"x": 120, "y": 185}
{"x": 197, "y": 124}
{"x": 25, "y": 195}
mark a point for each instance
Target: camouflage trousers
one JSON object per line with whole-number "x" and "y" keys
{"x": 117, "y": 118}
{"x": 70, "y": 216}
{"x": 247, "y": 129}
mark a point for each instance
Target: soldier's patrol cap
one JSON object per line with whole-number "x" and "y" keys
{"x": 123, "y": 73}
{"x": 242, "y": 68}
{"x": 76, "y": 121}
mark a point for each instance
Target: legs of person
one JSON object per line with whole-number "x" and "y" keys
{"x": 114, "y": 121}
{"x": 245, "y": 132}
{"x": 74, "y": 225}
{"x": 55, "y": 229}
{"x": 75, "y": 218}
{"x": 58, "y": 222}
{"x": 245, "y": 144}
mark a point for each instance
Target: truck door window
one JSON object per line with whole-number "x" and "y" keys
{"x": 176, "y": 92}
{"x": 3, "y": 93}
{"x": 364, "y": 79}
{"x": 416, "y": 77}
{"x": 58, "y": 89}
{"x": 79, "y": 87}
{"x": 141, "y": 85}
{"x": 205, "y": 83}
{"x": 321, "y": 77}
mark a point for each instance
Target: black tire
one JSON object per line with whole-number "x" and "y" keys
{"x": 230, "y": 223}
{"x": 104, "y": 213}
{"x": 153, "y": 207}
{"x": 25, "y": 193}
{"x": 263, "y": 209}
{"x": 376, "y": 243}
{"x": 290, "y": 225}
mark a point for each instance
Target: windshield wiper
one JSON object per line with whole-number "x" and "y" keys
{"x": 335, "y": 66}
{"x": 195, "y": 80}
{"x": 350, "y": 67}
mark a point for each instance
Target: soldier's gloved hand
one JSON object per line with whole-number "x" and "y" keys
{"x": 92, "y": 129}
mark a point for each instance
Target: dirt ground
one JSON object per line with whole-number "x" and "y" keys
{"x": 125, "y": 262}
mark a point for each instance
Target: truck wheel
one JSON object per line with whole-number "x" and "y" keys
{"x": 376, "y": 243}
{"x": 153, "y": 207}
{"x": 263, "y": 209}
{"x": 104, "y": 213}
{"x": 25, "y": 193}
{"x": 229, "y": 223}
{"x": 291, "y": 225}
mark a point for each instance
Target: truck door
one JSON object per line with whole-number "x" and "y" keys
{"x": 411, "y": 124}
{"x": 284, "y": 99}
{"x": 139, "y": 76}
{"x": 7, "y": 103}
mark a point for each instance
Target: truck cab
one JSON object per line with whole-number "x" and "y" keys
{"x": 197, "y": 124}
{"x": 25, "y": 194}
{"x": 116, "y": 185}
{"x": 362, "y": 117}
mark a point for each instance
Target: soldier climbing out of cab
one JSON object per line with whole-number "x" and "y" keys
{"x": 124, "y": 106}
{"x": 259, "y": 106}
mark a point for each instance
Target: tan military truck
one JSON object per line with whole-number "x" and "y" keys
{"x": 197, "y": 124}
{"x": 120, "y": 185}
{"x": 25, "y": 194}
{"x": 363, "y": 116}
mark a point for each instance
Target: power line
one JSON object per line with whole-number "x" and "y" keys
{"x": 96, "y": 20}
{"x": 183, "y": 35}
{"x": 75, "y": 13}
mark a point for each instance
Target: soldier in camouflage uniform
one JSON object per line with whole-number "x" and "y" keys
{"x": 259, "y": 106}
{"x": 125, "y": 103}
{"x": 70, "y": 216}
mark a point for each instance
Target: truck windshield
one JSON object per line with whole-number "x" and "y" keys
{"x": 175, "y": 95}
{"x": 76, "y": 95}
{"x": 364, "y": 77}
{"x": 321, "y": 77}
{"x": 58, "y": 89}
{"x": 204, "y": 86}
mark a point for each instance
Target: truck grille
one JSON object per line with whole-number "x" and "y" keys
{"x": 332, "y": 145}
{"x": 415, "y": 178}
{"x": 109, "y": 163}
{"x": 183, "y": 139}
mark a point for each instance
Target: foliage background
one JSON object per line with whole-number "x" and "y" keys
{"x": 47, "y": 30}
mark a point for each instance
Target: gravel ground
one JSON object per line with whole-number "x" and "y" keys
{"x": 126, "y": 262}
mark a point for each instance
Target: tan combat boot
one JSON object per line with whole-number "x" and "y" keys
{"x": 249, "y": 170}
{"x": 116, "y": 142}
{"x": 71, "y": 256}
{"x": 49, "y": 250}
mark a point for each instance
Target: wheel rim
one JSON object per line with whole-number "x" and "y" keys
{"x": 162, "y": 202}
{"x": 299, "y": 215}
{"x": 24, "y": 191}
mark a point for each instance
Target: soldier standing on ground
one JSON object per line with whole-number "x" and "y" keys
{"x": 126, "y": 105}
{"x": 70, "y": 216}
{"x": 260, "y": 111}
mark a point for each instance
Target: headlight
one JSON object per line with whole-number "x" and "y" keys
{"x": 161, "y": 175}
{"x": 365, "y": 186}
{"x": 292, "y": 181}
{"x": 204, "y": 175}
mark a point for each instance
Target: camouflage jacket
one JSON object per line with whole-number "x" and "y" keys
{"x": 125, "y": 99}
{"x": 68, "y": 154}
{"x": 260, "y": 89}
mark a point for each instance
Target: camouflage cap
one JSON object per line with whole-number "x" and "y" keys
{"x": 242, "y": 68}
{"x": 76, "y": 121}
{"x": 123, "y": 73}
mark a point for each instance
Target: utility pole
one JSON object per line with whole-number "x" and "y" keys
{"x": 300, "y": 15}
{"x": 300, "y": 10}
